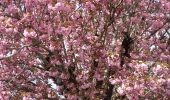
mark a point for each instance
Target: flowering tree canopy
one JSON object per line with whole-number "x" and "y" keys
{"x": 84, "y": 49}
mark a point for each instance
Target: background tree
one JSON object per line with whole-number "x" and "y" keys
{"x": 84, "y": 49}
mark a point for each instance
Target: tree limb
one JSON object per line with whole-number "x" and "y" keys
{"x": 14, "y": 53}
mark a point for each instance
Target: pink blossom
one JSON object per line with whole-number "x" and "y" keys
{"x": 114, "y": 81}
{"x": 12, "y": 9}
{"x": 129, "y": 89}
{"x": 54, "y": 74}
{"x": 72, "y": 97}
{"x": 59, "y": 6}
{"x": 98, "y": 76}
{"x": 63, "y": 76}
{"x": 29, "y": 33}
{"x": 10, "y": 30}
{"x": 44, "y": 37}
{"x": 161, "y": 81}
{"x": 50, "y": 7}
{"x": 128, "y": 1}
{"x": 157, "y": 24}
{"x": 90, "y": 6}
{"x": 144, "y": 67}
{"x": 77, "y": 44}
{"x": 168, "y": 92}
{"x": 52, "y": 48}
{"x": 120, "y": 90}
{"x": 157, "y": 69}
{"x": 85, "y": 86}
{"x": 135, "y": 20}
{"x": 167, "y": 5}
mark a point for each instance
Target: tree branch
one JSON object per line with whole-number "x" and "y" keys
{"x": 14, "y": 53}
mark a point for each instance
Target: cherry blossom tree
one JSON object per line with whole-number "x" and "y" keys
{"x": 84, "y": 49}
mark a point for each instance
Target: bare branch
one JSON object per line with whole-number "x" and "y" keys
{"x": 14, "y": 53}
